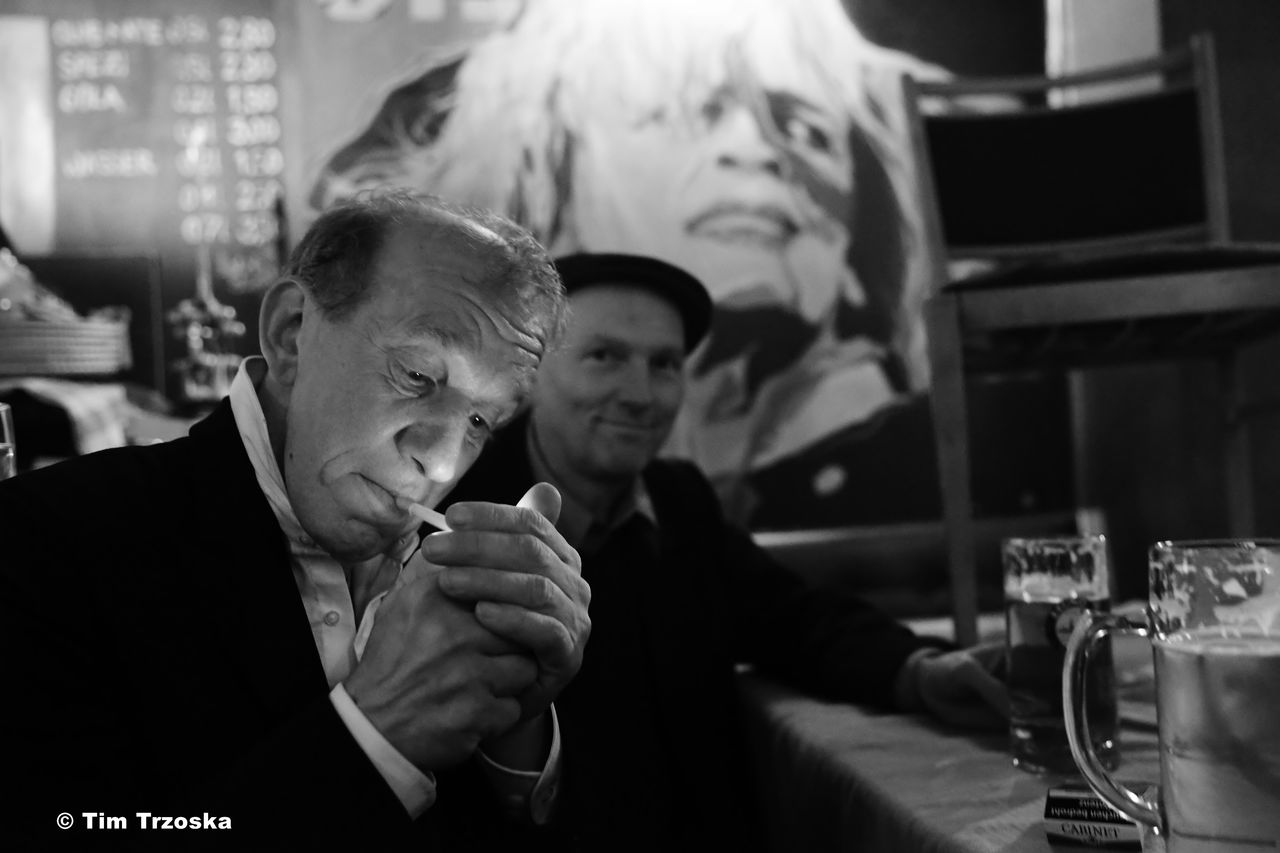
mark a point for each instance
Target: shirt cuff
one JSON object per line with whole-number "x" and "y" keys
{"x": 415, "y": 790}
{"x": 527, "y": 792}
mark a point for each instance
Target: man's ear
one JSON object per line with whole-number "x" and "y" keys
{"x": 279, "y": 321}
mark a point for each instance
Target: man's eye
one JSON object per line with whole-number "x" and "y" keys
{"x": 479, "y": 425}
{"x": 418, "y": 383}
{"x": 668, "y": 364}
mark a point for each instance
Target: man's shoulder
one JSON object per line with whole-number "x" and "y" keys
{"x": 680, "y": 485}
{"x": 672, "y": 471}
{"x": 125, "y": 479}
{"x": 109, "y": 469}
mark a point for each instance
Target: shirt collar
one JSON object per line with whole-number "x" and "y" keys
{"x": 251, "y": 423}
{"x": 579, "y": 522}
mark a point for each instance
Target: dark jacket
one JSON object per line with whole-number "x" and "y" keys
{"x": 650, "y": 726}
{"x": 160, "y": 660}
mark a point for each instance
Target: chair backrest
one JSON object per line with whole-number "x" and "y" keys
{"x": 1092, "y": 163}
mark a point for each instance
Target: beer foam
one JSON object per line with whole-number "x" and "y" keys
{"x": 1049, "y": 588}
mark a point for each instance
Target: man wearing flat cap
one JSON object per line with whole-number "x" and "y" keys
{"x": 679, "y": 595}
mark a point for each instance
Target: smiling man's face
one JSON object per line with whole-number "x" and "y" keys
{"x": 604, "y": 401}
{"x": 394, "y": 402}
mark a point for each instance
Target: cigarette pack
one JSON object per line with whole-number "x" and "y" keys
{"x": 1075, "y": 816}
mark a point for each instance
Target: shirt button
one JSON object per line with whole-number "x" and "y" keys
{"x": 332, "y": 617}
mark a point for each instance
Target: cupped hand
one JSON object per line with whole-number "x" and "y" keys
{"x": 432, "y": 679}
{"x": 524, "y": 580}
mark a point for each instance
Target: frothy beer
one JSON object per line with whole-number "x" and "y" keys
{"x": 1220, "y": 739}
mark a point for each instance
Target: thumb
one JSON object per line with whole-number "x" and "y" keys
{"x": 543, "y": 497}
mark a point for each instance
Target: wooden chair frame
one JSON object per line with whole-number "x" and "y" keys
{"x": 1176, "y": 313}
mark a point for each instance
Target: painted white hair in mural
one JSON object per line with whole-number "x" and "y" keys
{"x": 757, "y": 143}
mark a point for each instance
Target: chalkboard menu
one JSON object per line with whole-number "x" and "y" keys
{"x": 165, "y": 126}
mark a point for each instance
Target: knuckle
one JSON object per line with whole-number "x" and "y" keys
{"x": 541, "y": 591}
{"x": 567, "y": 642}
{"x": 532, "y": 520}
{"x": 533, "y": 551}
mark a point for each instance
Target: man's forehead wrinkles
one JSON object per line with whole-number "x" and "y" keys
{"x": 446, "y": 334}
{"x": 501, "y": 316}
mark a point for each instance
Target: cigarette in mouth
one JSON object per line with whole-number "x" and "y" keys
{"x": 430, "y": 516}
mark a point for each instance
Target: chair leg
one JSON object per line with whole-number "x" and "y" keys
{"x": 951, "y": 434}
{"x": 1237, "y": 449}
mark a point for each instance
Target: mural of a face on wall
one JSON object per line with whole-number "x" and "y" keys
{"x": 757, "y": 143}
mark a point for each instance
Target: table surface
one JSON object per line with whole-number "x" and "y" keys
{"x": 837, "y": 777}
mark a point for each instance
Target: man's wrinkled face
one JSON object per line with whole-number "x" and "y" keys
{"x": 604, "y": 401}
{"x": 393, "y": 402}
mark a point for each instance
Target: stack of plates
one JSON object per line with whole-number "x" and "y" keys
{"x": 64, "y": 347}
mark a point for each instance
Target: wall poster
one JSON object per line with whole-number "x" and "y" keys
{"x": 757, "y": 143}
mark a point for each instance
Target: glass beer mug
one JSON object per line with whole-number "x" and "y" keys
{"x": 1214, "y": 626}
{"x": 1048, "y": 585}
{"x": 8, "y": 462}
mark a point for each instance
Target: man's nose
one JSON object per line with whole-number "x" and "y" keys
{"x": 436, "y": 449}
{"x": 636, "y": 385}
{"x": 741, "y": 142}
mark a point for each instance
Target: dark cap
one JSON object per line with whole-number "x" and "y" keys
{"x": 673, "y": 284}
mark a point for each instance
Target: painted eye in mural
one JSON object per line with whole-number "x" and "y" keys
{"x": 804, "y": 126}
{"x": 804, "y": 133}
{"x": 713, "y": 108}
{"x": 659, "y": 114}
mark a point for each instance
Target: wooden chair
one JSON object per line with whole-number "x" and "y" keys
{"x": 1095, "y": 207}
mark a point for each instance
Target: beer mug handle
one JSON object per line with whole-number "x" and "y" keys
{"x": 1088, "y": 632}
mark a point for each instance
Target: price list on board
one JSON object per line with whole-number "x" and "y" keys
{"x": 168, "y": 131}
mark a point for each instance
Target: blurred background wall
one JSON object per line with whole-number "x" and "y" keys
{"x": 208, "y": 125}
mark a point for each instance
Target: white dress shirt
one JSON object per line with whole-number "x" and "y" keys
{"x": 322, "y": 584}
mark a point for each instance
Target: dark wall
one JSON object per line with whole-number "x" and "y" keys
{"x": 974, "y": 39}
{"x": 1151, "y": 433}
{"x": 1246, "y": 33}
